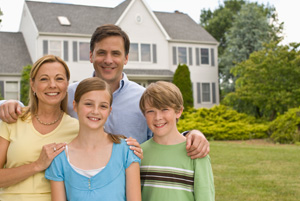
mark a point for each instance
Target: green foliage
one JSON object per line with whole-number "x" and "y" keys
{"x": 268, "y": 82}
{"x": 0, "y": 15}
{"x": 25, "y": 84}
{"x": 218, "y": 22}
{"x": 249, "y": 31}
{"x": 285, "y": 128}
{"x": 223, "y": 123}
{"x": 182, "y": 80}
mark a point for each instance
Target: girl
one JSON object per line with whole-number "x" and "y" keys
{"x": 95, "y": 165}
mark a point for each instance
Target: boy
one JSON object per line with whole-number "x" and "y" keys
{"x": 167, "y": 173}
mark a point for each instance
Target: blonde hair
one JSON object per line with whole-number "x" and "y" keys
{"x": 95, "y": 84}
{"x": 33, "y": 100}
{"x": 162, "y": 94}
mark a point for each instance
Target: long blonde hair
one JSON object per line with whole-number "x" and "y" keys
{"x": 33, "y": 100}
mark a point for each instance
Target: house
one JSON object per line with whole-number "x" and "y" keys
{"x": 159, "y": 42}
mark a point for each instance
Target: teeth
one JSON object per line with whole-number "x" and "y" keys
{"x": 94, "y": 119}
{"x": 158, "y": 125}
{"x": 52, "y": 94}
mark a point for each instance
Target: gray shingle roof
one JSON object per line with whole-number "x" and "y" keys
{"x": 180, "y": 26}
{"x": 84, "y": 19}
{"x": 15, "y": 54}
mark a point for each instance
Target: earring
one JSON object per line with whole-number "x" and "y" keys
{"x": 34, "y": 94}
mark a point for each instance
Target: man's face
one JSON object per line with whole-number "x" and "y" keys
{"x": 109, "y": 59}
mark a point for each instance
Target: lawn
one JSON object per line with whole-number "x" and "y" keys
{"x": 255, "y": 170}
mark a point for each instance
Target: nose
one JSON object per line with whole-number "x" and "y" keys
{"x": 95, "y": 110}
{"x": 52, "y": 83}
{"x": 158, "y": 115}
{"x": 108, "y": 59}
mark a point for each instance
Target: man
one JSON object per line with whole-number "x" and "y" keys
{"x": 109, "y": 49}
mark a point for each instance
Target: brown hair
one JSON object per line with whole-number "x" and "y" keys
{"x": 107, "y": 30}
{"x": 33, "y": 100}
{"x": 94, "y": 84}
{"x": 162, "y": 94}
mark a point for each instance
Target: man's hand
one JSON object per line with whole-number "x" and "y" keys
{"x": 197, "y": 145}
{"x": 9, "y": 111}
{"x": 135, "y": 146}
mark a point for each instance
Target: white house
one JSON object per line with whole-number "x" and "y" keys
{"x": 159, "y": 42}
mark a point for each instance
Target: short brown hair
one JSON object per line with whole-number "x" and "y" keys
{"x": 33, "y": 100}
{"x": 107, "y": 30}
{"x": 162, "y": 94}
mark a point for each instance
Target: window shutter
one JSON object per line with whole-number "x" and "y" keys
{"x": 154, "y": 53}
{"x": 212, "y": 53}
{"x": 198, "y": 92}
{"x": 197, "y": 57}
{"x": 75, "y": 49}
{"x": 190, "y": 56}
{"x": 174, "y": 56}
{"x": 45, "y": 47}
{"x": 213, "y": 86}
{"x": 66, "y": 51}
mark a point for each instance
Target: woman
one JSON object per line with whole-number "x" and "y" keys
{"x": 95, "y": 165}
{"x": 28, "y": 146}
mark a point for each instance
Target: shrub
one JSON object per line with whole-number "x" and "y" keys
{"x": 223, "y": 123}
{"x": 285, "y": 128}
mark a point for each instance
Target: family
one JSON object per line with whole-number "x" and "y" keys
{"x": 82, "y": 141}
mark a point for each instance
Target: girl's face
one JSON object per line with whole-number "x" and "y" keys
{"x": 93, "y": 109}
{"x": 50, "y": 84}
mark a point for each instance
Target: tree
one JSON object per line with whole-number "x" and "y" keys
{"x": 218, "y": 22}
{"x": 25, "y": 84}
{"x": 247, "y": 34}
{"x": 0, "y": 15}
{"x": 182, "y": 80}
{"x": 268, "y": 82}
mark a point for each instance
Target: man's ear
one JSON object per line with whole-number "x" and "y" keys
{"x": 178, "y": 113}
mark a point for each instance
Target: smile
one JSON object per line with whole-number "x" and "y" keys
{"x": 160, "y": 125}
{"x": 94, "y": 118}
{"x": 52, "y": 94}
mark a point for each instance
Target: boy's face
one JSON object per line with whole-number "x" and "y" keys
{"x": 162, "y": 122}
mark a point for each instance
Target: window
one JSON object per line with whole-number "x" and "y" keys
{"x": 84, "y": 51}
{"x": 204, "y": 56}
{"x": 205, "y": 92}
{"x": 143, "y": 52}
{"x": 182, "y": 55}
{"x": 55, "y": 47}
{"x": 134, "y": 52}
{"x": 11, "y": 90}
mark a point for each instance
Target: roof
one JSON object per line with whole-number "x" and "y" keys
{"x": 180, "y": 26}
{"x": 84, "y": 20}
{"x": 15, "y": 54}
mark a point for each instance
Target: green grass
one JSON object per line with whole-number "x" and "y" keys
{"x": 258, "y": 172}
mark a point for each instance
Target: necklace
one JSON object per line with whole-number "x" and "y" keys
{"x": 47, "y": 124}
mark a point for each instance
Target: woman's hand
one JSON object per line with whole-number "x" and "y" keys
{"x": 48, "y": 153}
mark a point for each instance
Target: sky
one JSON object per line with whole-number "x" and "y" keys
{"x": 288, "y": 11}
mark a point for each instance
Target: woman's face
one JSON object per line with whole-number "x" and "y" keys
{"x": 50, "y": 84}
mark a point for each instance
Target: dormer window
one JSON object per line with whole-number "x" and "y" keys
{"x": 63, "y": 20}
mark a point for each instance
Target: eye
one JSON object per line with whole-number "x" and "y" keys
{"x": 88, "y": 104}
{"x": 164, "y": 109}
{"x": 104, "y": 106}
{"x": 43, "y": 79}
{"x": 60, "y": 78}
{"x": 149, "y": 111}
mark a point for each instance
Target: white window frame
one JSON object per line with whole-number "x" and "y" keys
{"x": 139, "y": 46}
{"x": 17, "y": 91}
{"x": 208, "y": 56}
